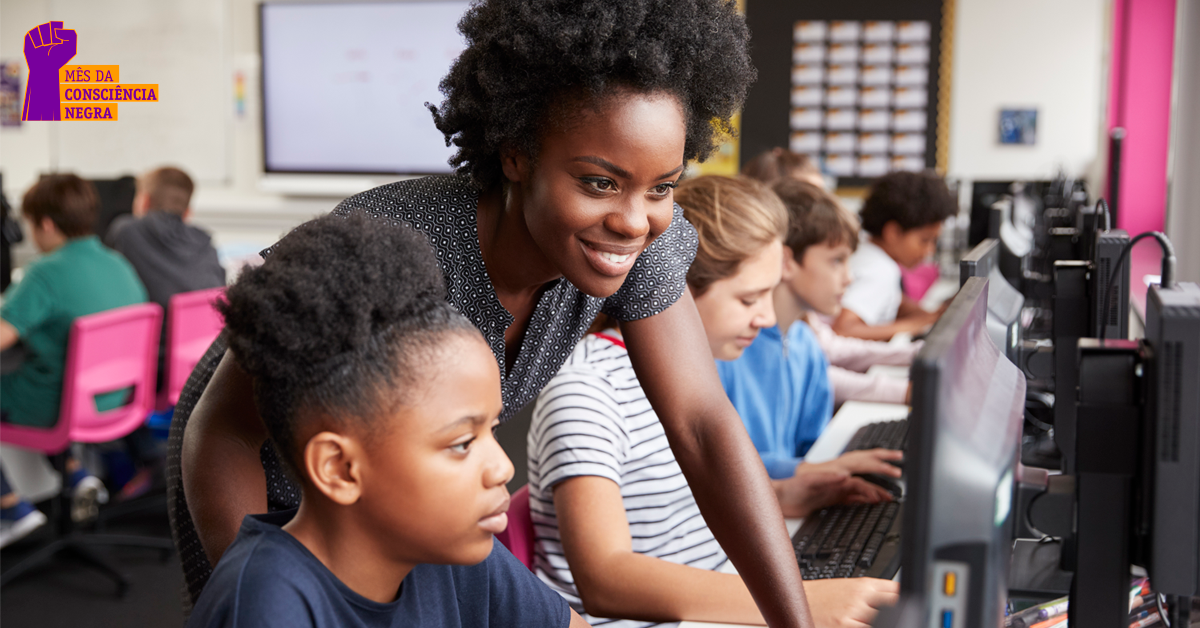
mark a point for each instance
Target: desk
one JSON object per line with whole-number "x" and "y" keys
{"x": 851, "y": 416}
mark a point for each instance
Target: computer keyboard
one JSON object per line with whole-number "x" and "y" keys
{"x": 885, "y": 434}
{"x": 860, "y": 540}
{"x": 850, "y": 542}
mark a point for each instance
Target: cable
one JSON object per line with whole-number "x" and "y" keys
{"x": 1107, "y": 216}
{"x": 1168, "y": 270}
{"x": 1162, "y": 614}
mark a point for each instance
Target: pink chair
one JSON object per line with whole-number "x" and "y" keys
{"x": 107, "y": 351}
{"x": 192, "y": 324}
{"x": 518, "y": 536}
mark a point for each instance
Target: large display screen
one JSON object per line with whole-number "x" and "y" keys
{"x": 345, "y": 85}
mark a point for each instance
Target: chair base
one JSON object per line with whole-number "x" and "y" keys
{"x": 81, "y": 547}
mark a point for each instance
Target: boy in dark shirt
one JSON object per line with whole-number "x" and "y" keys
{"x": 381, "y": 400}
{"x": 170, "y": 256}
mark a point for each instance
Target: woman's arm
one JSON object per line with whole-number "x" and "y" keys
{"x": 223, "y": 476}
{"x": 614, "y": 581}
{"x": 670, "y": 355}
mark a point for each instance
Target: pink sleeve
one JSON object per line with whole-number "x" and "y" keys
{"x": 852, "y": 386}
{"x": 857, "y": 354}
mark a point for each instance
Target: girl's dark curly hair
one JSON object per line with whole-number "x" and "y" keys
{"x": 336, "y": 324}
{"x": 525, "y": 56}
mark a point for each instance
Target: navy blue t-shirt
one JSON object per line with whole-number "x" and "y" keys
{"x": 268, "y": 578}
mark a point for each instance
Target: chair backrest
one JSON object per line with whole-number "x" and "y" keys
{"x": 518, "y": 536}
{"x": 110, "y": 351}
{"x": 192, "y": 324}
{"x": 106, "y": 352}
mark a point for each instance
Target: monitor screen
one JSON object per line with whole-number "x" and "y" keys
{"x": 345, "y": 85}
{"x": 1004, "y": 301}
{"x": 964, "y": 437}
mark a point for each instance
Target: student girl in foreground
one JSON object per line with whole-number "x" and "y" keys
{"x": 618, "y": 530}
{"x": 573, "y": 121}
{"x": 383, "y": 409}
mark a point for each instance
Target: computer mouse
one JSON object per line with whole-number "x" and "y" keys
{"x": 892, "y": 485}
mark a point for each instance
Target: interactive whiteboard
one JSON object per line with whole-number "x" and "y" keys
{"x": 345, "y": 85}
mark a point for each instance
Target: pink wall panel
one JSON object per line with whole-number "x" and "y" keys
{"x": 1140, "y": 101}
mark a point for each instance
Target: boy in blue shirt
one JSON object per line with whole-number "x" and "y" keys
{"x": 381, "y": 400}
{"x": 780, "y": 385}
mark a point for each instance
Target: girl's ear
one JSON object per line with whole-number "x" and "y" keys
{"x": 334, "y": 465}
{"x": 515, "y": 165}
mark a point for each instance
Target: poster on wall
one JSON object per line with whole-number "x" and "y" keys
{"x": 1018, "y": 126}
{"x": 10, "y": 93}
{"x": 860, "y": 94}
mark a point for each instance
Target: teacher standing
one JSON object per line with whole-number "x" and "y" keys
{"x": 573, "y": 121}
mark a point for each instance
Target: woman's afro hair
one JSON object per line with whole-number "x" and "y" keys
{"x": 335, "y": 321}
{"x": 525, "y": 56}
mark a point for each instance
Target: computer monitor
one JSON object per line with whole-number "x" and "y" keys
{"x": 984, "y": 195}
{"x": 1004, "y": 301}
{"x": 964, "y": 445}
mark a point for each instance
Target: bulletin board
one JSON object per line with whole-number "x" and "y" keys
{"x": 860, "y": 85}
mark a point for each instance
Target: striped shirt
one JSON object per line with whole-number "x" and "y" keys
{"x": 593, "y": 419}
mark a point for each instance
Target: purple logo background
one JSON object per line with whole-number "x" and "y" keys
{"x": 48, "y": 47}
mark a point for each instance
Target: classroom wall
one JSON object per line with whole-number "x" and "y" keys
{"x": 1028, "y": 53}
{"x": 1017, "y": 52}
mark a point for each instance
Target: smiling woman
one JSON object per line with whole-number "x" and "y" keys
{"x": 573, "y": 121}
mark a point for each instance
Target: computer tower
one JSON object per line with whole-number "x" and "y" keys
{"x": 1107, "y": 248}
{"x": 1173, "y": 335}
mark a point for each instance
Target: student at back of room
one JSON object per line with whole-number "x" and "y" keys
{"x": 618, "y": 530}
{"x": 902, "y": 218}
{"x": 170, "y": 255}
{"x": 383, "y": 408}
{"x": 822, "y": 236}
{"x": 76, "y": 276}
{"x": 780, "y": 163}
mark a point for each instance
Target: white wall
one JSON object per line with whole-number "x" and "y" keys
{"x": 1049, "y": 55}
{"x": 194, "y": 124}
{"x": 1028, "y": 53}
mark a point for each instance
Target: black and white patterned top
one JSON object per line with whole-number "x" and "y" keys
{"x": 444, "y": 208}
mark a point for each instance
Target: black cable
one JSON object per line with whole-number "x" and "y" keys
{"x": 1167, "y": 280}
{"x": 1107, "y": 216}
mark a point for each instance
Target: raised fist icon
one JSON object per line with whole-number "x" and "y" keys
{"x": 47, "y": 48}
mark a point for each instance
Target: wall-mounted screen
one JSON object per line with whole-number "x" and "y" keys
{"x": 345, "y": 85}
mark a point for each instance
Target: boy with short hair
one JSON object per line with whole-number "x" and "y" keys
{"x": 381, "y": 399}
{"x": 902, "y": 218}
{"x": 76, "y": 276}
{"x": 822, "y": 236}
{"x": 170, "y": 256}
